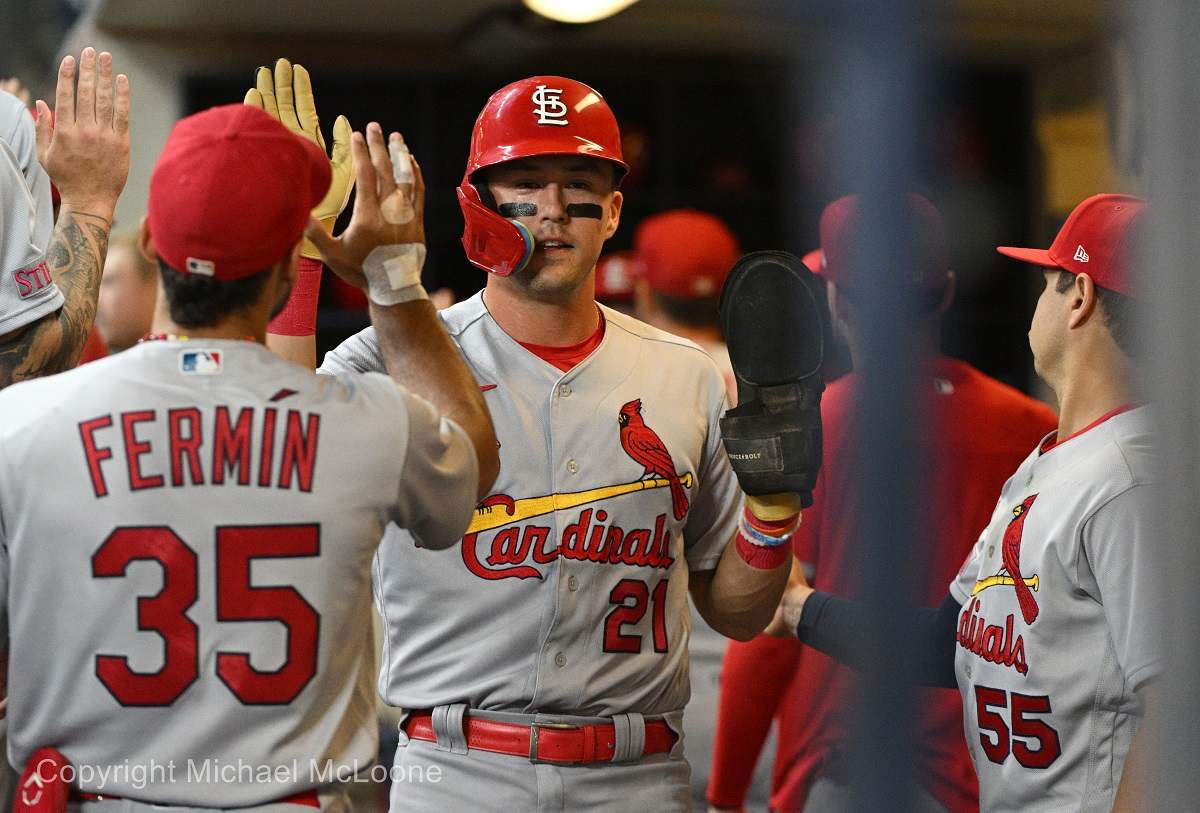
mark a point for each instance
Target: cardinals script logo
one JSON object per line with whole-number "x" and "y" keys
{"x": 590, "y": 535}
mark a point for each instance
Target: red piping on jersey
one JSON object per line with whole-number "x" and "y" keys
{"x": 564, "y": 358}
{"x": 1053, "y": 441}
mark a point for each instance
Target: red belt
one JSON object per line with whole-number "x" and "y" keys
{"x": 558, "y": 743}
{"x": 307, "y": 798}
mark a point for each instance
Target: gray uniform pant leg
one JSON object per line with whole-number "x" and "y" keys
{"x": 828, "y": 795}
{"x": 427, "y": 779}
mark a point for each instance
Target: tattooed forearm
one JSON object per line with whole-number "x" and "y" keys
{"x": 54, "y": 343}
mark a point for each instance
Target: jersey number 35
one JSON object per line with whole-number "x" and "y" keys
{"x": 165, "y": 613}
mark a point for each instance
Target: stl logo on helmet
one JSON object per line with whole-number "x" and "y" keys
{"x": 548, "y": 106}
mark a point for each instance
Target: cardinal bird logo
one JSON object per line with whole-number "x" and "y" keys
{"x": 646, "y": 448}
{"x": 1011, "y": 552}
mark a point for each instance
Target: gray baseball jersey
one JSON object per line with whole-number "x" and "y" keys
{"x": 569, "y": 592}
{"x": 186, "y": 533}
{"x": 1059, "y": 622}
{"x": 26, "y": 222}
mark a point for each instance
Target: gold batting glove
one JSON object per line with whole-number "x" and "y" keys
{"x": 287, "y": 95}
{"x": 774, "y": 507}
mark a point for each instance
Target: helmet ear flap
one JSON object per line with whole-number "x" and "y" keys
{"x": 493, "y": 243}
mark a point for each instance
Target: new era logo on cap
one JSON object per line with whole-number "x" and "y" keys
{"x": 1111, "y": 224}
{"x": 203, "y": 267}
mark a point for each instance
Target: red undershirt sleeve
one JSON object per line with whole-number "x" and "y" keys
{"x": 299, "y": 316}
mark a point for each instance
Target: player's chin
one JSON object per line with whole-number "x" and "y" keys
{"x": 556, "y": 280}
{"x": 556, "y": 267}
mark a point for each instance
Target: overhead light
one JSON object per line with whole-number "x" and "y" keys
{"x": 578, "y": 11}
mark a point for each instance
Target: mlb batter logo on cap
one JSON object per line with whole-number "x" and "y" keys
{"x": 200, "y": 362}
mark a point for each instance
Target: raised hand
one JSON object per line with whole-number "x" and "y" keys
{"x": 84, "y": 143}
{"x": 386, "y": 212}
{"x": 287, "y": 95}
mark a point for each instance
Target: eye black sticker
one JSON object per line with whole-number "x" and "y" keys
{"x": 517, "y": 209}
{"x": 585, "y": 210}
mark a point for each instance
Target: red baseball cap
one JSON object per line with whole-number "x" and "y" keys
{"x": 232, "y": 191}
{"x": 1096, "y": 240}
{"x": 615, "y": 274}
{"x": 842, "y": 234}
{"x": 685, "y": 253}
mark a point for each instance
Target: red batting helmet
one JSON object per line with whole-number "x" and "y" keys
{"x": 541, "y": 115}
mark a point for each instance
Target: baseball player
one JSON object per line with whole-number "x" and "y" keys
{"x": 543, "y": 663}
{"x": 1050, "y": 626}
{"x": 213, "y": 509}
{"x": 51, "y": 271}
{"x": 683, "y": 256}
{"x": 978, "y": 430}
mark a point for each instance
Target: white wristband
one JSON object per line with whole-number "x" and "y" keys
{"x": 394, "y": 273}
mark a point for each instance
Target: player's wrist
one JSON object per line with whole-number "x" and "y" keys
{"x": 393, "y": 273}
{"x": 791, "y": 606}
{"x": 308, "y": 248}
{"x": 299, "y": 315}
{"x": 765, "y": 544}
{"x": 95, "y": 209}
{"x": 780, "y": 507}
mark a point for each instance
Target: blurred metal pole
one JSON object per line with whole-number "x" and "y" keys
{"x": 1166, "y": 33}
{"x": 875, "y": 90}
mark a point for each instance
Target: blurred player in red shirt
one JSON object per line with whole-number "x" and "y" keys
{"x": 975, "y": 433}
{"x": 682, "y": 259}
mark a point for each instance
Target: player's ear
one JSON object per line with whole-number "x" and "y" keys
{"x": 1083, "y": 301}
{"x": 614, "y": 214}
{"x": 146, "y": 242}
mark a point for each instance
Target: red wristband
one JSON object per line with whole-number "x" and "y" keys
{"x": 772, "y": 527}
{"x": 761, "y": 557}
{"x": 299, "y": 315}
